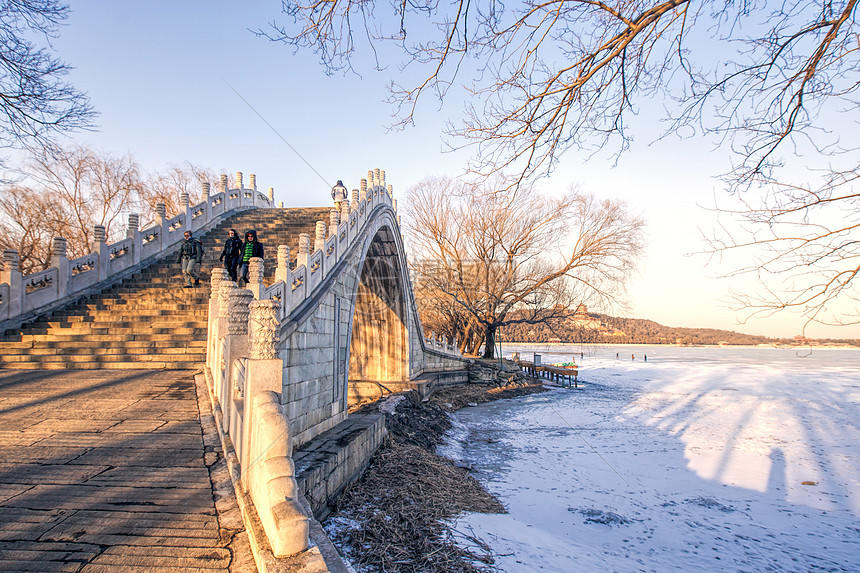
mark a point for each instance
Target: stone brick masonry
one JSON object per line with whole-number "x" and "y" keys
{"x": 108, "y": 471}
{"x": 337, "y": 457}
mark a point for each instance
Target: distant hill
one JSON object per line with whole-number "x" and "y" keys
{"x": 585, "y": 327}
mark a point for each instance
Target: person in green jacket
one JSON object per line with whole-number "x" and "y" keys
{"x": 251, "y": 248}
{"x": 190, "y": 257}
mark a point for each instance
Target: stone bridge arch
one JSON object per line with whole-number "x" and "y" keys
{"x": 378, "y": 334}
{"x": 357, "y": 332}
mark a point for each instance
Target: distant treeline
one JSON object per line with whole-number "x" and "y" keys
{"x": 603, "y": 329}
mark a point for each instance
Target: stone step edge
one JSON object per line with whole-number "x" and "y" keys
{"x": 128, "y": 365}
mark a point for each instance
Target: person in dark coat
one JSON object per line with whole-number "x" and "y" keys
{"x": 232, "y": 254}
{"x": 250, "y": 249}
{"x": 190, "y": 257}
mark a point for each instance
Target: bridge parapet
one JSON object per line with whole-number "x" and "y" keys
{"x": 23, "y": 296}
{"x": 287, "y": 346}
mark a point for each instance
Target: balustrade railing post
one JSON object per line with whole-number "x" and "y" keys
{"x": 207, "y": 202}
{"x": 319, "y": 236}
{"x": 100, "y": 251}
{"x": 282, "y": 271}
{"x": 223, "y": 188}
{"x": 272, "y": 197}
{"x": 218, "y": 276}
{"x": 333, "y": 222}
{"x": 344, "y": 211}
{"x": 133, "y": 233}
{"x": 304, "y": 250}
{"x": 60, "y": 261}
{"x": 236, "y": 348}
{"x": 252, "y": 183}
{"x": 256, "y": 269}
{"x": 11, "y": 275}
{"x": 220, "y": 373}
{"x": 161, "y": 219}
{"x": 185, "y": 202}
{"x": 240, "y": 188}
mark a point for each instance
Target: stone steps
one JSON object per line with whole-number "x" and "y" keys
{"x": 58, "y": 346}
{"x": 148, "y": 320}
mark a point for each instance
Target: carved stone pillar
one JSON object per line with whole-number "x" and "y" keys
{"x": 282, "y": 271}
{"x": 11, "y": 275}
{"x": 237, "y": 307}
{"x": 319, "y": 239}
{"x": 133, "y": 225}
{"x": 99, "y": 236}
{"x": 224, "y": 296}
{"x": 304, "y": 250}
{"x": 255, "y": 276}
{"x": 207, "y": 202}
{"x": 264, "y": 327}
{"x": 60, "y": 261}
{"x": 239, "y": 184}
{"x": 333, "y": 221}
{"x": 224, "y": 184}
{"x": 217, "y": 276}
{"x": 11, "y": 260}
{"x": 100, "y": 249}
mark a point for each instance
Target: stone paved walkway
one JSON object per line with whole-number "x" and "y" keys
{"x": 110, "y": 471}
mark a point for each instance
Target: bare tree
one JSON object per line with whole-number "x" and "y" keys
{"x": 805, "y": 248}
{"x": 167, "y": 187}
{"x": 36, "y": 103}
{"x": 517, "y": 257}
{"x": 772, "y": 82}
{"x": 90, "y": 188}
{"x": 68, "y": 192}
{"x": 28, "y": 222}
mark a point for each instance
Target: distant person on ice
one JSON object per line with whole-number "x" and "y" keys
{"x": 232, "y": 254}
{"x": 190, "y": 257}
{"x": 252, "y": 248}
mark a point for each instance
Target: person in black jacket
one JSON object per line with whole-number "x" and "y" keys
{"x": 232, "y": 254}
{"x": 190, "y": 257}
{"x": 251, "y": 248}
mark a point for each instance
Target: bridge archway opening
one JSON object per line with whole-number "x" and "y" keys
{"x": 378, "y": 351}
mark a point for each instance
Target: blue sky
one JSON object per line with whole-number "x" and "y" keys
{"x": 158, "y": 71}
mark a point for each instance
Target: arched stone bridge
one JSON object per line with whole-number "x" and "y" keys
{"x": 285, "y": 357}
{"x": 287, "y": 360}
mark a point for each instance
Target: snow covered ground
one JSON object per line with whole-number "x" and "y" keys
{"x": 698, "y": 460}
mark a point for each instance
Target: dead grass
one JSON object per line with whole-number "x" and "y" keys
{"x": 397, "y": 517}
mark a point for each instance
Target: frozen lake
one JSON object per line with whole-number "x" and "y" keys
{"x": 710, "y": 459}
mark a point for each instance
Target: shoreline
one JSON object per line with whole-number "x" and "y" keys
{"x": 674, "y": 345}
{"x": 397, "y": 516}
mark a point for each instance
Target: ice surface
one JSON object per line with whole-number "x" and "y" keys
{"x": 694, "y": 460}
